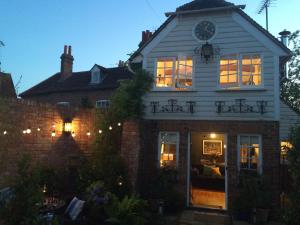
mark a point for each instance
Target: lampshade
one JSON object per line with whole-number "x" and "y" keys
{"x": 68, "y": 127}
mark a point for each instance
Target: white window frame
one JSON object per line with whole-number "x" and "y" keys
{"x": 174, "y": 86}
{"x": 260, "y": 157}
{"x": 239, "y": 57}
{"x": 95, "y": 77}
{"x": 160, "y": 142}
{"x": 102, "y": 102}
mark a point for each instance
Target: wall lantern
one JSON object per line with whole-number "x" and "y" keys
{"x": 207, "y": 52}
{"x": 53, "y": 134}
{"x": 88, "y": 133}
{"x": 68, "y": 127}
{"x": 73, "y": 134}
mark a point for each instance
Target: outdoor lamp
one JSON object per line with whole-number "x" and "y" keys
{"x": 68, "y": 127}
{"x": 207, "y": 52}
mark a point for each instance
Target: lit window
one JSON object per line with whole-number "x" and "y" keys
{"x": 174, "y": 72}
{"x": 251, "y": 70}
{"x": 168, "y": 149}
{"x": 249, "y": 152}
{"x": 165, "y": 73}
{"x": 185, "y": 72}
{"x": 229, "y": 71}
{"x": 240, "y": 72}
{"x": 102, "y": 104}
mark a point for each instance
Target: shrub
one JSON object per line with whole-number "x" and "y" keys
{"x": 291, "y": 214}
{"x": 23, "y": 208}
{"x": 128, "y": 211}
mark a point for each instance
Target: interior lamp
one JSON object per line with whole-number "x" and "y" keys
{"x": 68, "y": 127}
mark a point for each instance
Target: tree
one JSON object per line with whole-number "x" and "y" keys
{"x": 292, "y": 215}
{"x": 290, "y": 86}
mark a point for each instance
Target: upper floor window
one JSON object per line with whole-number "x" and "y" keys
{"x": 243, "y": 71}
{"x": 95, "y": 77}
{"x": 250, "y": 152}
{"x": 174, "y": 72}
{"x": 102, "y": 104}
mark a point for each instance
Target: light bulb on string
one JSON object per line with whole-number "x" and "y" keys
{"x": 110, "y": 128}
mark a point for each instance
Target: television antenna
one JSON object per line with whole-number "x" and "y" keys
{"x": 264, "y": 5}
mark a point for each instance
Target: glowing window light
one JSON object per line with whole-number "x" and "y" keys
{"x": 67, "y": 127}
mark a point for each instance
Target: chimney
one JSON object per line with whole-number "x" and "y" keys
{"x": 67, "y": 59}
{"x": 284, "y": 36}
{"x": 146, "y": 35}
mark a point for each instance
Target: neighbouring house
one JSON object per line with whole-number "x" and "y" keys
{"x": 86, "y": 88}
{"x": 7, "y": 89}
{"x": 215, "y": 107}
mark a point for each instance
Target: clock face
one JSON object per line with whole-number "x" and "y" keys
{"x": 205, "y": 30}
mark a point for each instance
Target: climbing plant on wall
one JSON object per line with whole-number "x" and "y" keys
{"x": 126, "y": 103}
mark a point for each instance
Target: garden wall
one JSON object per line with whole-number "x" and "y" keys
{"x": 37, "y": 129}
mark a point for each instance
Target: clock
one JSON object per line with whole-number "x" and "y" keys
{"x": 205, "y": 30}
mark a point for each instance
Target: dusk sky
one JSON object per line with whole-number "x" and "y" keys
{"x": 102, "y": 32}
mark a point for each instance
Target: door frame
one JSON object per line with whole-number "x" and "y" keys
{"x": 188, "y": 191}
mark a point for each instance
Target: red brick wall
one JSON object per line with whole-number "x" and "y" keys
{"x": 270, "y": 141}
{"x": 74, "y": 98}
{"x": 58, "y": 151}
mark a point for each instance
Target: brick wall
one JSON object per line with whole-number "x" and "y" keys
{"x": 74, "y": 98}
{"x": 58, "y": 151}
{"x": 270, "y": 145}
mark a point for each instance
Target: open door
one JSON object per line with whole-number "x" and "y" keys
{"x": 208, "y": 170}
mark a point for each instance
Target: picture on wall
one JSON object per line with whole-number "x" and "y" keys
{"x": 212, "y": 147}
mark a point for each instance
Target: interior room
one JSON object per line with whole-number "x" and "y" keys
{"x": 207, "y": 184}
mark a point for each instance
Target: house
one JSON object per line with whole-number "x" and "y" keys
{"x": 214, "y": 110}
{"x": 7, "y": 89}
{"x": 86, "y": 88}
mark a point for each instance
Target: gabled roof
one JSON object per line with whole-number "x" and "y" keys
{"x": 7, "y": 88}
{"x": 203, "y": 4}
{"x": 196, "y": 5}
{"x": 80, "y": 81}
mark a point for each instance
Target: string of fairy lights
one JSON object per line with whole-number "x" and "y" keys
{"x": 67, "y": 128}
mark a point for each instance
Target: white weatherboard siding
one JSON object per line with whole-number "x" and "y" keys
{"x": 288, "y": 119}
{"x": 231, "y": 38}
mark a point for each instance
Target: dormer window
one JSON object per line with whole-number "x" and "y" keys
{"x": 95, "y": 77}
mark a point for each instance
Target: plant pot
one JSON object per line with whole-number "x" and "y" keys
{"x": 262, "y": 216}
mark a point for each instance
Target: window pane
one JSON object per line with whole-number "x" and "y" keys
{"x": 228, "y": 71}
{"x": 251, "y": 70}
{"x": 184, "y": 72}
{"x": 169, "y": 145}
{"x": 164, "y": 73}
{"x": 249, "y": 152}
